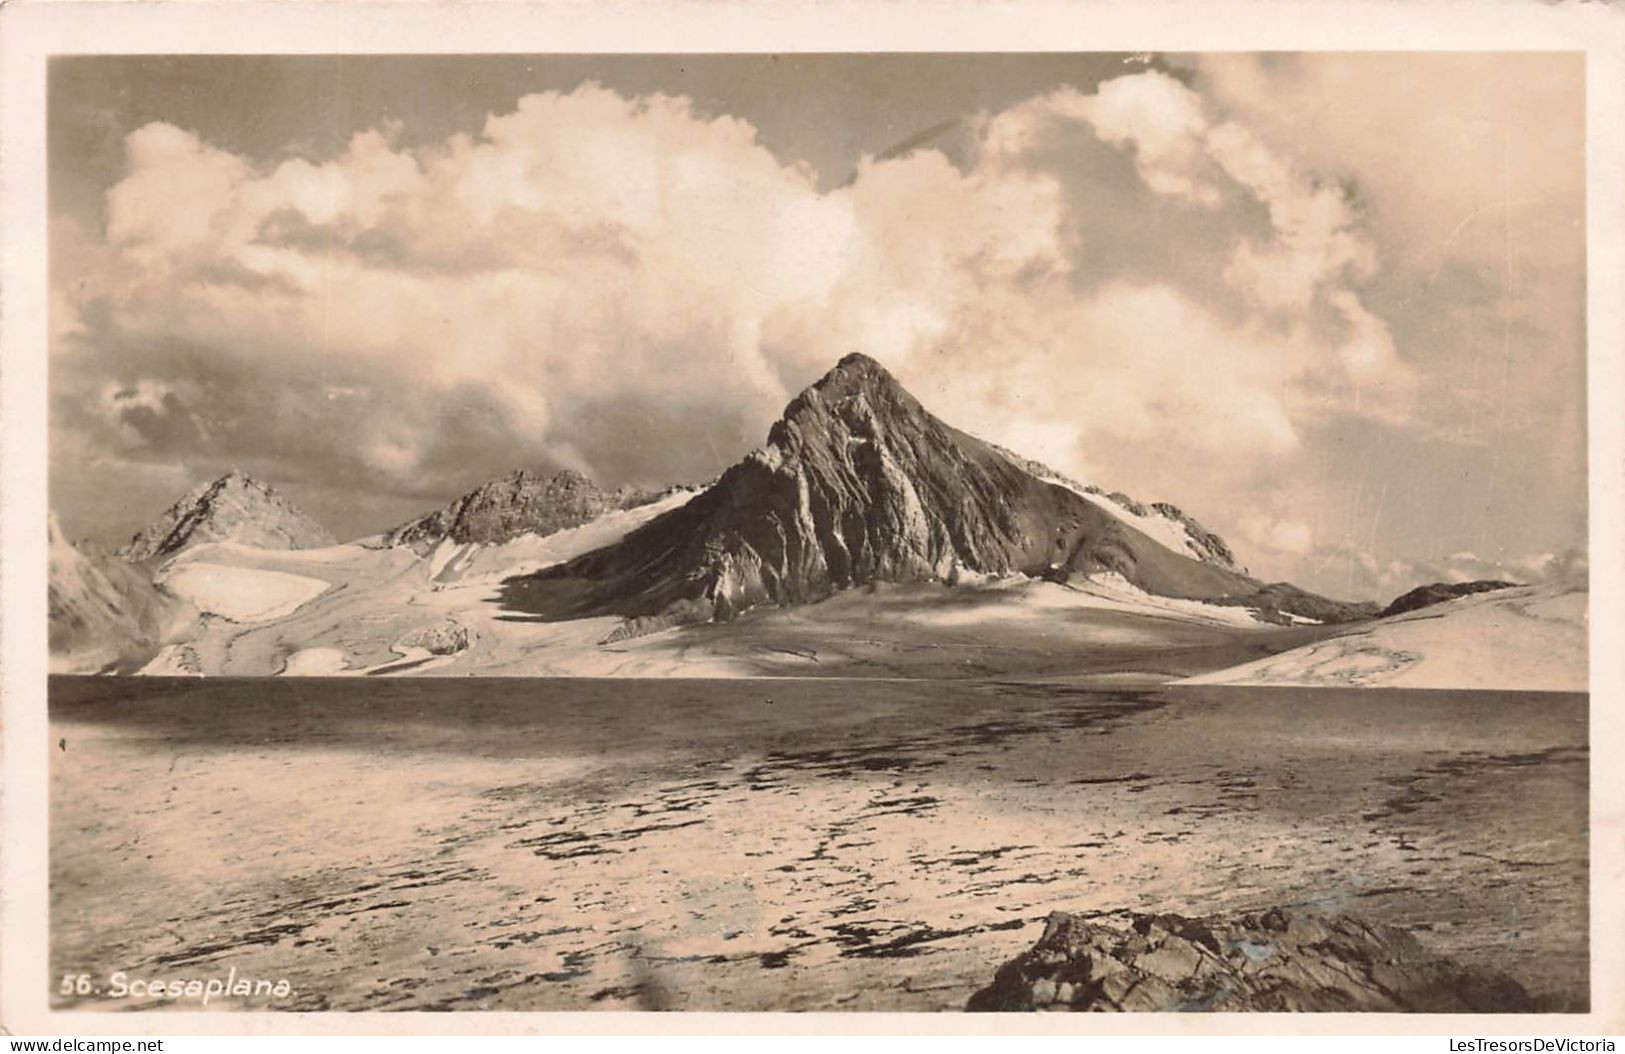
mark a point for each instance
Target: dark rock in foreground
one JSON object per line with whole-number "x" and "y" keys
{"x": 1275, "y": 960}
{"x": 1439, "y": 592}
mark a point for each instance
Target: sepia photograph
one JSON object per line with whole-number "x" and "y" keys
{"x": 835, "y": 531}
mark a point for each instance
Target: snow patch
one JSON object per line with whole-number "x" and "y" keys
{"x": 412, "y": 660}
{"x": 1036, "y": 598}
{"x": 317, "y": 662}
{"x": 173, "y": 660}
{"x": 241, "y": 594}
{"x": 1164, "y": 530}
{"x": 443, "y": 554}
{"x": 1112, "y": 590}
{"x": 210, "y": 552}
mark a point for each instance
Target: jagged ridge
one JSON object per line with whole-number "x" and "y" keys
{"x": 233, "y": 508}
{"x": 518, "y": 503}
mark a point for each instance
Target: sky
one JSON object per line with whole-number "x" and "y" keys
{"x": 1332, "y": 305}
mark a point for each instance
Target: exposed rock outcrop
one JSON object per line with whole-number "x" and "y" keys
{"x": 1439, "y": 592}
{"x": 1275, "y": 960}
{"x": 858, "y": 483}
{"x": 447, "y": 638}
{"x": 519, "y": 503}
{"x": 233, "y": 508}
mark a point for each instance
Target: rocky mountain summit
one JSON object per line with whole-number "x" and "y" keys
{"x": 518, "y": 503}
{"x": 1277, "y": 960}
{"x": 858, "y": 483}
{"x": 233, "y": 508}
{"x": 1439, "y": 592}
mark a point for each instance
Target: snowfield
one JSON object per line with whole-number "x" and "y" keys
{"x": 316, "y": 662}
{"x": 241, "y": 594}
{"x": 1114, "y": 592}
{"x": 1031, "y": 598}
{"x": 1523, "y": 639}
{"x": 1164, "y": 530}
{"x": 1169, "y": 533}
{"x": 216, "y": 552}
{"x": 613, "y": 832}
{"x": 349, "y": 610}
{"x": 172, "y": 660}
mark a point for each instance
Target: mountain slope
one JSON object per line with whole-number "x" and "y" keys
{"x": 1518, "y": 638}
{"x": 233, "y": 508}
{"x": 858, "y": 483}
{"x": 516, "y": 504}
{"x": 104, "y": 613}
{"x": 1164, "y": 522}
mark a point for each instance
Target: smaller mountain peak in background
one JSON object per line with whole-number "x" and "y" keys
{"x": 1439, "y": 592}
{"x": 234, "y": 508}
{"x": 517, "y": 503}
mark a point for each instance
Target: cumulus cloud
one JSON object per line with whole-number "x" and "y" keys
{"x": 151, "y": 414}
{"x": 1221, "y": 369}
{"x": 627, "y": 286}
{"x": 1474, "y": 163}
{"x": 1368, "y": 576}
{"x": 1277, "y": 536}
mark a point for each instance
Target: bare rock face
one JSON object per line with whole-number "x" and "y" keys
{"x": 519, "y": 503}
{"x": 1439, "y": 592}
{"x": 1276, "y": 960}
{"x": 858, "y": 483}
{"x": 105, "y": 614}
{"x": 234, "y": 508}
